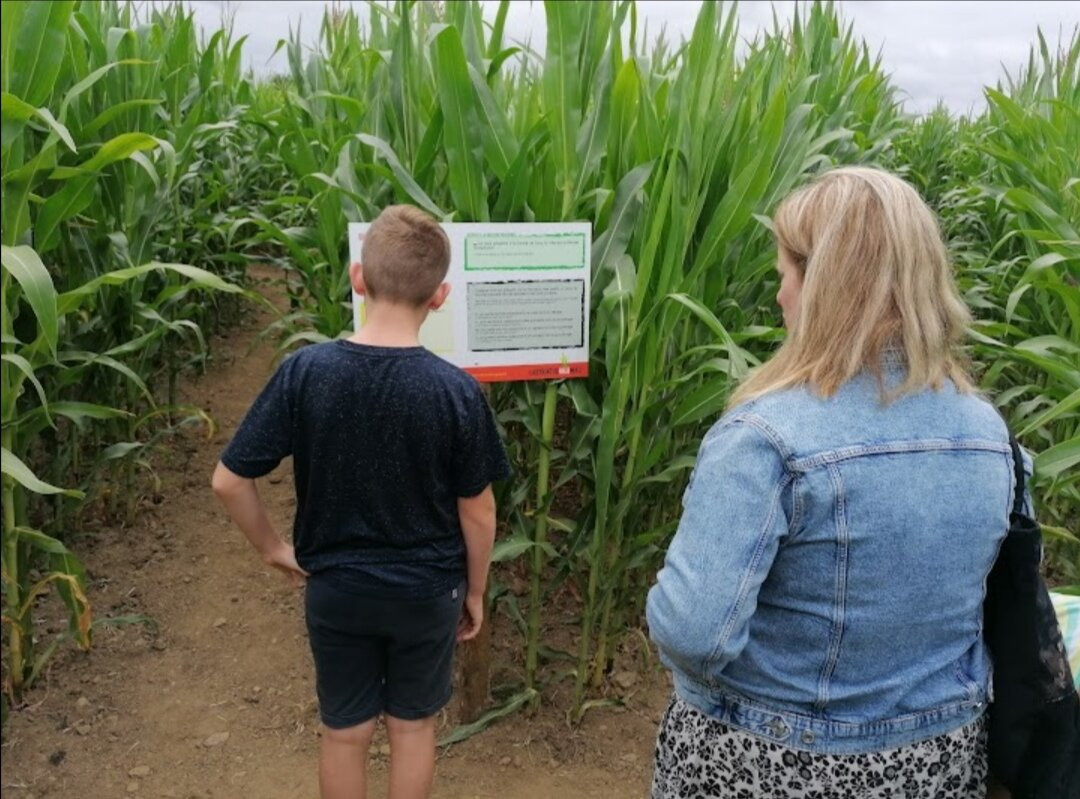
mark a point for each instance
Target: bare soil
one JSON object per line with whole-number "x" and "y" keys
{"x": 216, "y": 699}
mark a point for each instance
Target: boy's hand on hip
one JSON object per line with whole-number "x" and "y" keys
{"x": 472, "y": 617}
{"x": 283, "y": 558}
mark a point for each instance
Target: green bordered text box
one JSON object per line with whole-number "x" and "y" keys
{"x": 513, "y": 251}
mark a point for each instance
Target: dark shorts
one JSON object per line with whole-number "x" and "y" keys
{"x": 375, "y": 655}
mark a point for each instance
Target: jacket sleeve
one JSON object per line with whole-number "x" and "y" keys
{"x": 733, "y": 520}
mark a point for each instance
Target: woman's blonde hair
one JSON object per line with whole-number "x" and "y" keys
{"x": 876, "y": 280}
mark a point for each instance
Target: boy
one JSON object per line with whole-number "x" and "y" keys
{"x": 394, "y": 452}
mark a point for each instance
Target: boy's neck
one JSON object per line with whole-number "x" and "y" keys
{"x": 387, "y": 325}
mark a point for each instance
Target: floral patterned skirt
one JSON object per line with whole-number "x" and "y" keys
{"x": 699, "y": 757}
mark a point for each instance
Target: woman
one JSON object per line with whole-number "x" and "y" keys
{"x": 820, "y": 606}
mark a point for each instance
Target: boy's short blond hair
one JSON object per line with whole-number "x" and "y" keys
{"x": 405, "y": 256}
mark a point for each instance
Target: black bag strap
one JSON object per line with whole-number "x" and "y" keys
{"x": 1018, "y": 472}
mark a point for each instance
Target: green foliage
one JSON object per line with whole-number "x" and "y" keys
{"x": 122, "y": 142}
{"x": 676, "y": 156}
{"x": 142, "y": 168}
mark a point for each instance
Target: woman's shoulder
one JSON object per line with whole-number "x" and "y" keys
{"x": 765, "y": 417}
{"x": 776, "y": 409}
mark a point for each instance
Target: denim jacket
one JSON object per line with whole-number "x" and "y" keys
{"x": 824, "y": 589}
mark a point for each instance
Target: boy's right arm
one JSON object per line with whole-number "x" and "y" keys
{"x": 477, "y": 515}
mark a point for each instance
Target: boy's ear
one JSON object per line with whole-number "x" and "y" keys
{"x": 356, "y": 277}
{"x": 439, "y": 297}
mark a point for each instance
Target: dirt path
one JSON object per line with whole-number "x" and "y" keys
{"x": 219, "y": 702}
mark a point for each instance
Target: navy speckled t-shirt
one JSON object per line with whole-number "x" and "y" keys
{"x": 384, "y": 440}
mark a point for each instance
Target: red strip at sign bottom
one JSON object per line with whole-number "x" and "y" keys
{"x": 535, "y": 371}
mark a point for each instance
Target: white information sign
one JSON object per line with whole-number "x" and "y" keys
{"x": 519, "y": 299}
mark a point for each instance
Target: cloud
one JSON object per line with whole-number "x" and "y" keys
{"x": 933, "y": 50}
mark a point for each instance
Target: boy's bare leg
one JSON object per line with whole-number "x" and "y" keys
{"x": 343, "y": 756}
{"x": 412, "y": 757}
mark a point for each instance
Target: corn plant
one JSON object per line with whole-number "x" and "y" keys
{"x": 1033, "y": 147}
{"x": 87, "y": 190}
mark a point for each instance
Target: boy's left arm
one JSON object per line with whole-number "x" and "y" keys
{"x": 240, "y": 497}
{"x": 263, "y": 439}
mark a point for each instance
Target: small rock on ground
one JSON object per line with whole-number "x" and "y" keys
{"x": 626, "y": 679}
{"x": 217, "y": 739}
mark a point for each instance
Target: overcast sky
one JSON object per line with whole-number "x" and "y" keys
{"x": 933, "y": 49}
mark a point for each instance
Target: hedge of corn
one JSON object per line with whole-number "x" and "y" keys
{"x": 123, "y": 143}
{"x": 144, "y": 169}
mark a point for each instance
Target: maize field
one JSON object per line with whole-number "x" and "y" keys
{"x": 144, "y": 170}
